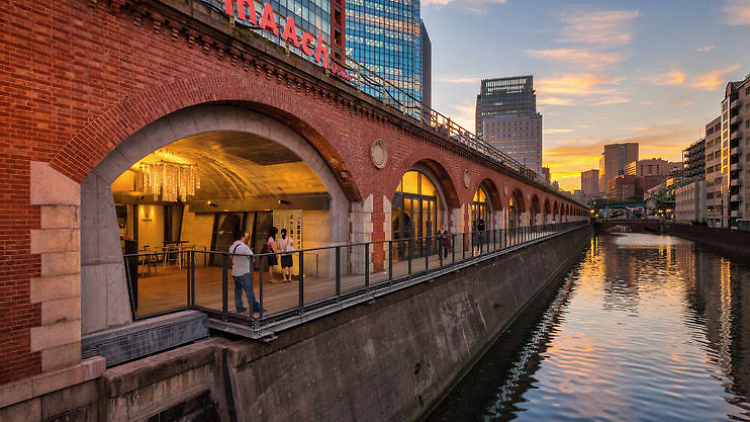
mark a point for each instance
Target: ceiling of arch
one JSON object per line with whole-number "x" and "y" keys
{"x": 233, "y": 165}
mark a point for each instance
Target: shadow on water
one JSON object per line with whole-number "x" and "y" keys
{"x": 644, "y": 328}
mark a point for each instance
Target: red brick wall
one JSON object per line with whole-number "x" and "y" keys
{"x": 79, "y": 77}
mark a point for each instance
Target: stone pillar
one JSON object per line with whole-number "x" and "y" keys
{"x": 59, "y": 288}
{"x": 387, "y": 231}
{"x": 360, "y": 222}
{"x": 498, "y": 220}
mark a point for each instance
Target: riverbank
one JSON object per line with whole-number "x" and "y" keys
{"x": 731, "y": 242}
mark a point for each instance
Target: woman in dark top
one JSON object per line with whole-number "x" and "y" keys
{"x": 271, "y": 248}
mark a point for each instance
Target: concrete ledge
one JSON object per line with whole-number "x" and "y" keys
{"x": 730, "y": 242}
{"x": 39, "y": 385}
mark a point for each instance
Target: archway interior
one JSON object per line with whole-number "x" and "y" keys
{"x": 481, "y": 210}
{"x": 417, "y": 211}
{"x": 515, "y": 209}
{"x": 244, "y": 183}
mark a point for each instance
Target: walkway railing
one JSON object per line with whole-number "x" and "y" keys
{"x": 341, "y": 276}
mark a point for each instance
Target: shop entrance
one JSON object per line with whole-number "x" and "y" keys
{"x": 416, "y": 216}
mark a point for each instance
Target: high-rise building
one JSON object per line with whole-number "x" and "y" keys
{"x": 506, "y": 118}
{"x": 714, "y": 186}
{"x": 651, "y": 167}
{"x": 735, "y": 143}
{"x": 385, "y": 37}
{"x": 546, "y": 174}
{"x": 590, "y": 183}
{"x": 426, "y": 67}
{"x": 694, "y": 160}
{"x": 614, "y": 160}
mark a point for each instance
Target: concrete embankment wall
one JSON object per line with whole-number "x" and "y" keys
{"x": 389, "y": 360}
{"x": 732, "y": 242}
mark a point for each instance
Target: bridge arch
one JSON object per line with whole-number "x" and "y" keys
{"x": 224, "y": 140}
{"x": 536, "y": 211}
{"x": 516, "y": 209}
{"x": 546, "y": 211}
{"x": 486, "y": 204}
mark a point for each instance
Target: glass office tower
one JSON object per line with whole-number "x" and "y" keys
{"x": 385, "y": 37}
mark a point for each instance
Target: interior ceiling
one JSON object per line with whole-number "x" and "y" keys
{"x": 239, "y": 166}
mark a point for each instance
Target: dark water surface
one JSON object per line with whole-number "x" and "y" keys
{"x": 645, "y": 328}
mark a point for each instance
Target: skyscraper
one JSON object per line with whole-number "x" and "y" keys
{"x": 426, "y": 67}
{"x": 506, "y": 118}
{"x": 590, "y": 183}
{"x": 614, "y": 160}
{"x": 385, "y": 37}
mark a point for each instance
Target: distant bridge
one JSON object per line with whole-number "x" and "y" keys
{"x": 640, "y": 226}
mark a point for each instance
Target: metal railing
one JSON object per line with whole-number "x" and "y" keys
{"x": 389, "y": 94}
{"x": 348, "y": 274}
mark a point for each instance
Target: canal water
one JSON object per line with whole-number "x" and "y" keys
{"x": 644, "y": 328}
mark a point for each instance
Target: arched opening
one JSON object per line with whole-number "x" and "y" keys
{"x": 536, "y": 210}
{"x": 173, "y": 196}
{"x": 555, "y": 213}
{"x": 546, "y": 211}
{"x": 481, "y": 210}
{"x": 417, "y": 211}
{"x": 515, "y": 209}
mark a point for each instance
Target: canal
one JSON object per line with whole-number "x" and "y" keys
{"x": 644, "y": 328}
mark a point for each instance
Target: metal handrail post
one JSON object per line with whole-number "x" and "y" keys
{"x": 367, "y": 266}
{"x": 224, "y": 288}
{"x": 301, "y": 282}
{"x": 390, "y": 261}
{"x": 260, "y": 282}
{"x": 338, "y": 273}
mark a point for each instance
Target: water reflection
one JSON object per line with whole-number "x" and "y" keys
{"x": 645, "y": 328}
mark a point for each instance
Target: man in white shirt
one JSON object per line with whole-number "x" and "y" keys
{"x": 242, "y": 273}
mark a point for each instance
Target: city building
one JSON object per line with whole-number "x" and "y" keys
{"x": 426, "y": 68}
{"x": 506, "y": 117}
{"x": 624, "y": 186}
{"x": 694, "y": 160}
{"x": 690, "y": 202}
{"x": 546, "y": 174}
{"x": 614, "y": 160}
{"x": 651, "y": 167}
{"x": 714, "y": 187}
{"x": 590, "y": 183}
{"x": 386, "y": 38}
{"x": 735, "y": 141}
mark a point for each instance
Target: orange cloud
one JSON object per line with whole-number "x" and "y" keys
{"x": 737, "y": 12}
{"x": 544, "y": 100}
{"x": 575, "y": 85}
{"x": 706, "y": 48}
{"x": 578, "y": 57}
{"x": 594, "y": 25}
{"x": 673, "y": 78}
{"x": 714, "y": 79}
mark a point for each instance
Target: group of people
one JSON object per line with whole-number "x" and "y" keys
{"x": 242, "y": 265}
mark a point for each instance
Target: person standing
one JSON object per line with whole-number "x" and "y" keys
{"x": 286, "y": 244}
{"x": 242, "y": 274}
{"x": 445, "y": 239}
{"x": 271, "y": 248}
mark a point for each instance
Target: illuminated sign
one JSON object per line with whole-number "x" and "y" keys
{"x": 309, "y": 45}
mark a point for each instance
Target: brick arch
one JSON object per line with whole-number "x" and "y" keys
{"x": 447, "y": 184}
{"x": 80, "y": 155}
{"x": 490, "y": 187}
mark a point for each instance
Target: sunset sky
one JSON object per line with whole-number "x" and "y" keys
{"x": 647, "y": 71}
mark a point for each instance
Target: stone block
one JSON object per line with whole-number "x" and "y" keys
{"x": 28, "y": 411}
{"x": 63, "y": 378}
{"x": 50, "y": 187}
{"x": 61, "y": 310}
{"x": 61, "y": 356}
{"x": 15, "y": 392}
{"x": 55, "y": 287}
{"x": 47, "y": 336}
{"x": 69, "y": 399}
{"x": 55, "y": 240}
{"x": 60, "y": 263}
{"x": 60, "y": 217}
{"x": 93, "y": 299}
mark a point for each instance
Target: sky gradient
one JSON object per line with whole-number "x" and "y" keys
{"x": 652, "y": 72}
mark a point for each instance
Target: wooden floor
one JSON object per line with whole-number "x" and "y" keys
{"x": 166, "y": 287}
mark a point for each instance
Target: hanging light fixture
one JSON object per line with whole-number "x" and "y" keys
{"x": 171, "y": 181}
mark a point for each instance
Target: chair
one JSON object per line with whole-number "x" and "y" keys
{"x": 150, "y": 259}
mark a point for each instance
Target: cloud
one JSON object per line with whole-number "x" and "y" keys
{"x": 647, "y": 103}
{"x": 577, "y": 57}
{"x": 706, "y": 48}
{"x": 555, "y": 131}
{"x": 612, "y": 100}
{"x": 476, "y": 6}
{"x": 570, "y": 84}
{"x": 458, "y": 79}
{"x": 556, "y": 101}
{"x": 595, "y": 25}
{"x": 713, "y": 79}
{"x": 737, "y": 12}
{"x": 673, "y": 78}
{"x": 580, "y": 89}
{"x": 681, "y": 101}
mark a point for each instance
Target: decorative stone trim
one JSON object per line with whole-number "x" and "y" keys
{"x": 379, "y": 154}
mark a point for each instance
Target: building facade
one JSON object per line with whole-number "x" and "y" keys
{"x": 651, "y": 167}
{"x": 694, "y": 160}
{"x": 714, "y": 175}
{"x": 690, "y": 202}
{"x": 624, "y": 186}
{"x": 546, "y": 174}
{"x": 614, "y": 160}
{"x": 590, "y": 183}
{"x": 385, "y": 37}
{"x": 506, "y": 117}
{"x": 735, "y": 142}
{"x": 426, "y": 68}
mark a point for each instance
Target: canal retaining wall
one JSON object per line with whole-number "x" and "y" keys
{"x": 391, "y": 359}
{"x": 730, "y": 242}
